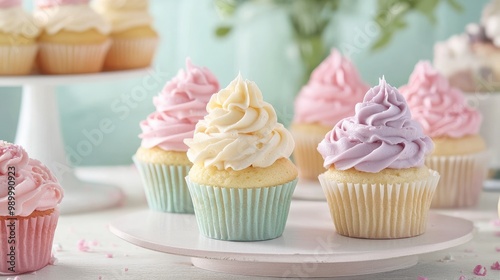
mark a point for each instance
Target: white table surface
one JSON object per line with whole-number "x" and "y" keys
{"x": 131, "y": 262}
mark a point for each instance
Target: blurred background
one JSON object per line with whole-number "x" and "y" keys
{"x": 274, "y": 43}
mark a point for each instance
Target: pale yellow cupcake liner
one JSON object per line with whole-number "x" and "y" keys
{"x": 72, "y": 59}
{"x": 17, "y": 60}
{"x": 130, "y": 53}
{"x": 462, "y": 179}
{"x": 241, "y": 214}
{"x": 380, "y": 211}
{"x": 306, "y": 156}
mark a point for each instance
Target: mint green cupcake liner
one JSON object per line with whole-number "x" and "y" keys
{"x": 165, "y": 187}
{"x": 241, "y": 214}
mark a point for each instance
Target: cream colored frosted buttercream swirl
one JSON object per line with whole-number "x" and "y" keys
{"x": 75, "y": 18}
{"x": 16, "y": 21}
{"x": 240, "y": 130}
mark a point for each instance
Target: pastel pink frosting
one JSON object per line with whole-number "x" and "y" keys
{"x": 51, "y": 3}
{"x": 380, "y": 135}
{"x": 180, "y": 105}
{"x": 4, "y": 4}
{"x": 441, "y": 109}
{"x": 331, "y": 93}
{"x": 36, "y": 188}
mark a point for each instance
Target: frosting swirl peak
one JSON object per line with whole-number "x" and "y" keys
{"x": 240, "y": 130}
{"x": 441, "y": 109}
{"x": 179, "y": 106}
{"x": 380, "y": 135}
{"x": 331, "y": 93}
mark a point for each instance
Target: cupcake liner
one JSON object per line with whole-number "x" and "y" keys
{"x": 17, "y": 60}
{"x": 72, "y": 59}
{"x": 241, "y": 214}
{"x": 130, "y": 53}
{"x": 33, "y": 242}
{"x": 306, "y": 156}
{"x": 461, "y": 180}
{"x": 165, "y": 187}
{"x": 380, "y": 211}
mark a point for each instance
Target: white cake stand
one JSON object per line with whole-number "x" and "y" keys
{"x": 39, "y": 133}
{"x": 309, "y": 246}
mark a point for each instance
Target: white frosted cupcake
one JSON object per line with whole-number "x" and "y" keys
{"x": 460, "y": 154}
{"x": 241, "y": 181}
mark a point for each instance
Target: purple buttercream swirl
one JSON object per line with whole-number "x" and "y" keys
{"x": 380, "y": 135}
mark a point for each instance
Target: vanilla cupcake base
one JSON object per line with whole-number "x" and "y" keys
{"x": 462, "y": 178}
{"x": 56, "y": 58}
{"x": 380, "y": 210}
{"x": 130, "y": 53}
{"x": 17, "y": 60}
{"x": 241, "y": 214}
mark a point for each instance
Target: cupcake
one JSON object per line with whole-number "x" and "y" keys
{"x": 134, "y": 38}
{"x": 377, "y": 185}
{"x": 74, "y": 38}
{"x": 241, "y": 181}
{"x": 29, "y": 198}
{"x": 18, "y": 33}
{"x": 330, "y": 95}
{"x": 460, "y": 154}
{"x": 161, "y": 159}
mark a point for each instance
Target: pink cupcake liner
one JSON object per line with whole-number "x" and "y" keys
{"x": 33, "y": 243}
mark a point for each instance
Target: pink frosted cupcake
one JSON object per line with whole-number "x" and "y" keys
{"x": 161, "y": 159}
{"x": 330, "y": 95}
{"x": 460, "y": 153}
{"x": 29, "y": 196}
{"x": 75, "y": 38}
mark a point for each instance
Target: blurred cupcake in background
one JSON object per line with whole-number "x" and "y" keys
{"x": 460, "y": 153}
{"x": 18, "y": 34}
{"x": 330, "y": 95}
{"x": 134, "y": 38}
{"x": 242, "y": 180}
{"x": 161, "y": 159}
{"x": 74, "y": 37}
{"x": 377, "y": 185}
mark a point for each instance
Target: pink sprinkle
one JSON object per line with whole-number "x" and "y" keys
{"x": 83, "y": 246}
{"x": 480, "y": 270}
{"x": 109, "y": 255}
{"x": 461, "y": 278}
{"x": 95, "y": 243}
{"x": 422, "y": 278}
{"x": 495, "y": 266}
{"x": 125, "y": 269}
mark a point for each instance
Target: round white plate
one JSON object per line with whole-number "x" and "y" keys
{"x": 309, "y": 190}
{"x": 309, "y": 246}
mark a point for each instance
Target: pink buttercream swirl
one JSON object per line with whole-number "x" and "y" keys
{"x": 4, "y": 4}
{"x": 36, "y": 188}
{"x": 180, "y": 105}
{"x": 331, "y": 93}
{"x": 441, "y": 109}
{"x": 380, "y": 135}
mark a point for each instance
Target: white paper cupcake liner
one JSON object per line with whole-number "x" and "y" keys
{"x": 130, "y": 53}
{"x": 17, "y": 60}
{"x": 380, "y": 211}
{"x": 33, "y": 243}
{"x": 241, "y": 214}
{"x": 306, "y": 156}
{"x": 72, "y": 59}
{"x": 165, "y": 187}
{"x": 461, "y": 180}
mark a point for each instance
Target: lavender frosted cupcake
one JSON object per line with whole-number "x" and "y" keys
{"x": 377, "y": 185}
